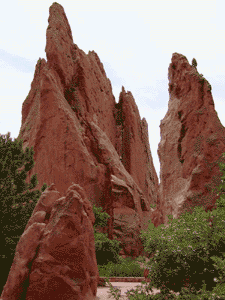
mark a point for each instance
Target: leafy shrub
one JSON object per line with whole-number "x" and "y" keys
{"x": 106, "y": 250}
{"x": 187, "y": 251}
{"x": 126, "y": 268}
{"x": 177, "y": 260}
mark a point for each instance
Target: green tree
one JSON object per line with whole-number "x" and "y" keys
{"x": 194, "y": 63}
{"x": 106, "y": 250}
{"x": 190, "y": 251}
{"x": 16, "y": 201}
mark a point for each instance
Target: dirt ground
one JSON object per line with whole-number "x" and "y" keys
{"x": 103, "y": 293}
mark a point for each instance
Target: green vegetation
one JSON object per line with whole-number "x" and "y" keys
{"x": 16, "y": 205}
{"x": 194, "y": 63}
{"x": 126, "y": 268}
{"x": 106, "y": 250}
{"x": 191, "y": 253}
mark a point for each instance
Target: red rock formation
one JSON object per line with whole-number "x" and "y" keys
{"x": 55, "y": 257}
{"x": 80, "y": 134}
{"x": 192, "y": 143}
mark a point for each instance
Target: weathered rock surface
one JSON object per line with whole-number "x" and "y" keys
{"x": 192, "y": 143}
{"x": 55, "y": 257}
{"x": 80, "y": 134}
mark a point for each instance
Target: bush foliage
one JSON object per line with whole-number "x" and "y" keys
{"x": 106, "y": 250}
{"x": 190, "y": 252}
{"x": 16, "y": 201}
{"x": 126, "y": 268}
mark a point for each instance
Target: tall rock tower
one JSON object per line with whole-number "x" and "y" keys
{"x": 192, "y": 143}
{"x": 80, "y": 134}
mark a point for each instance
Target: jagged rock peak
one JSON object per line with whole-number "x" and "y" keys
{"x": 124, "y": 94}
{"x": 58, "y": 21}
{"x": 59, "y": 48}
{"x": 182, "y": 76}
{"x": 80, "y": 134}
{"x": 94, "y": 55}
{"x": 192, "y": 142}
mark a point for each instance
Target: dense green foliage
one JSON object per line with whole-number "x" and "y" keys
{"x": 189, "y": 255}
{"x": 190, "y": 251}
{"x": 106, "y": 250}
{"x": 16, "y": 201}
{"x": 126, "y": 268}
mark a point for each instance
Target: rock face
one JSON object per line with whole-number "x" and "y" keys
{"x": 192, "y": 143}
{"x": 80, "y": 134}
{"x": 55, "y": 257}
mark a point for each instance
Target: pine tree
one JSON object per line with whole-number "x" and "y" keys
{"x": 14, "y": 198}
{"x": 194, "y": 63}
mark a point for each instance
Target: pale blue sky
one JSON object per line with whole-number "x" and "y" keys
{"x": 133, "y": 39}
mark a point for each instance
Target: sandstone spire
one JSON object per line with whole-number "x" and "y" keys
{"x": 192, "y": 142}
{"x": 81, "y": 135}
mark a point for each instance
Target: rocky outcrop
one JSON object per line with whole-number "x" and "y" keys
{"x": 192, "y": 143}
{"x": 55, "y": 257}
{"x": 80, "y": 134}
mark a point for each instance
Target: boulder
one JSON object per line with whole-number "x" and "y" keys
{"x": 55, "y": 257}
{"x": 79, "y": 133}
